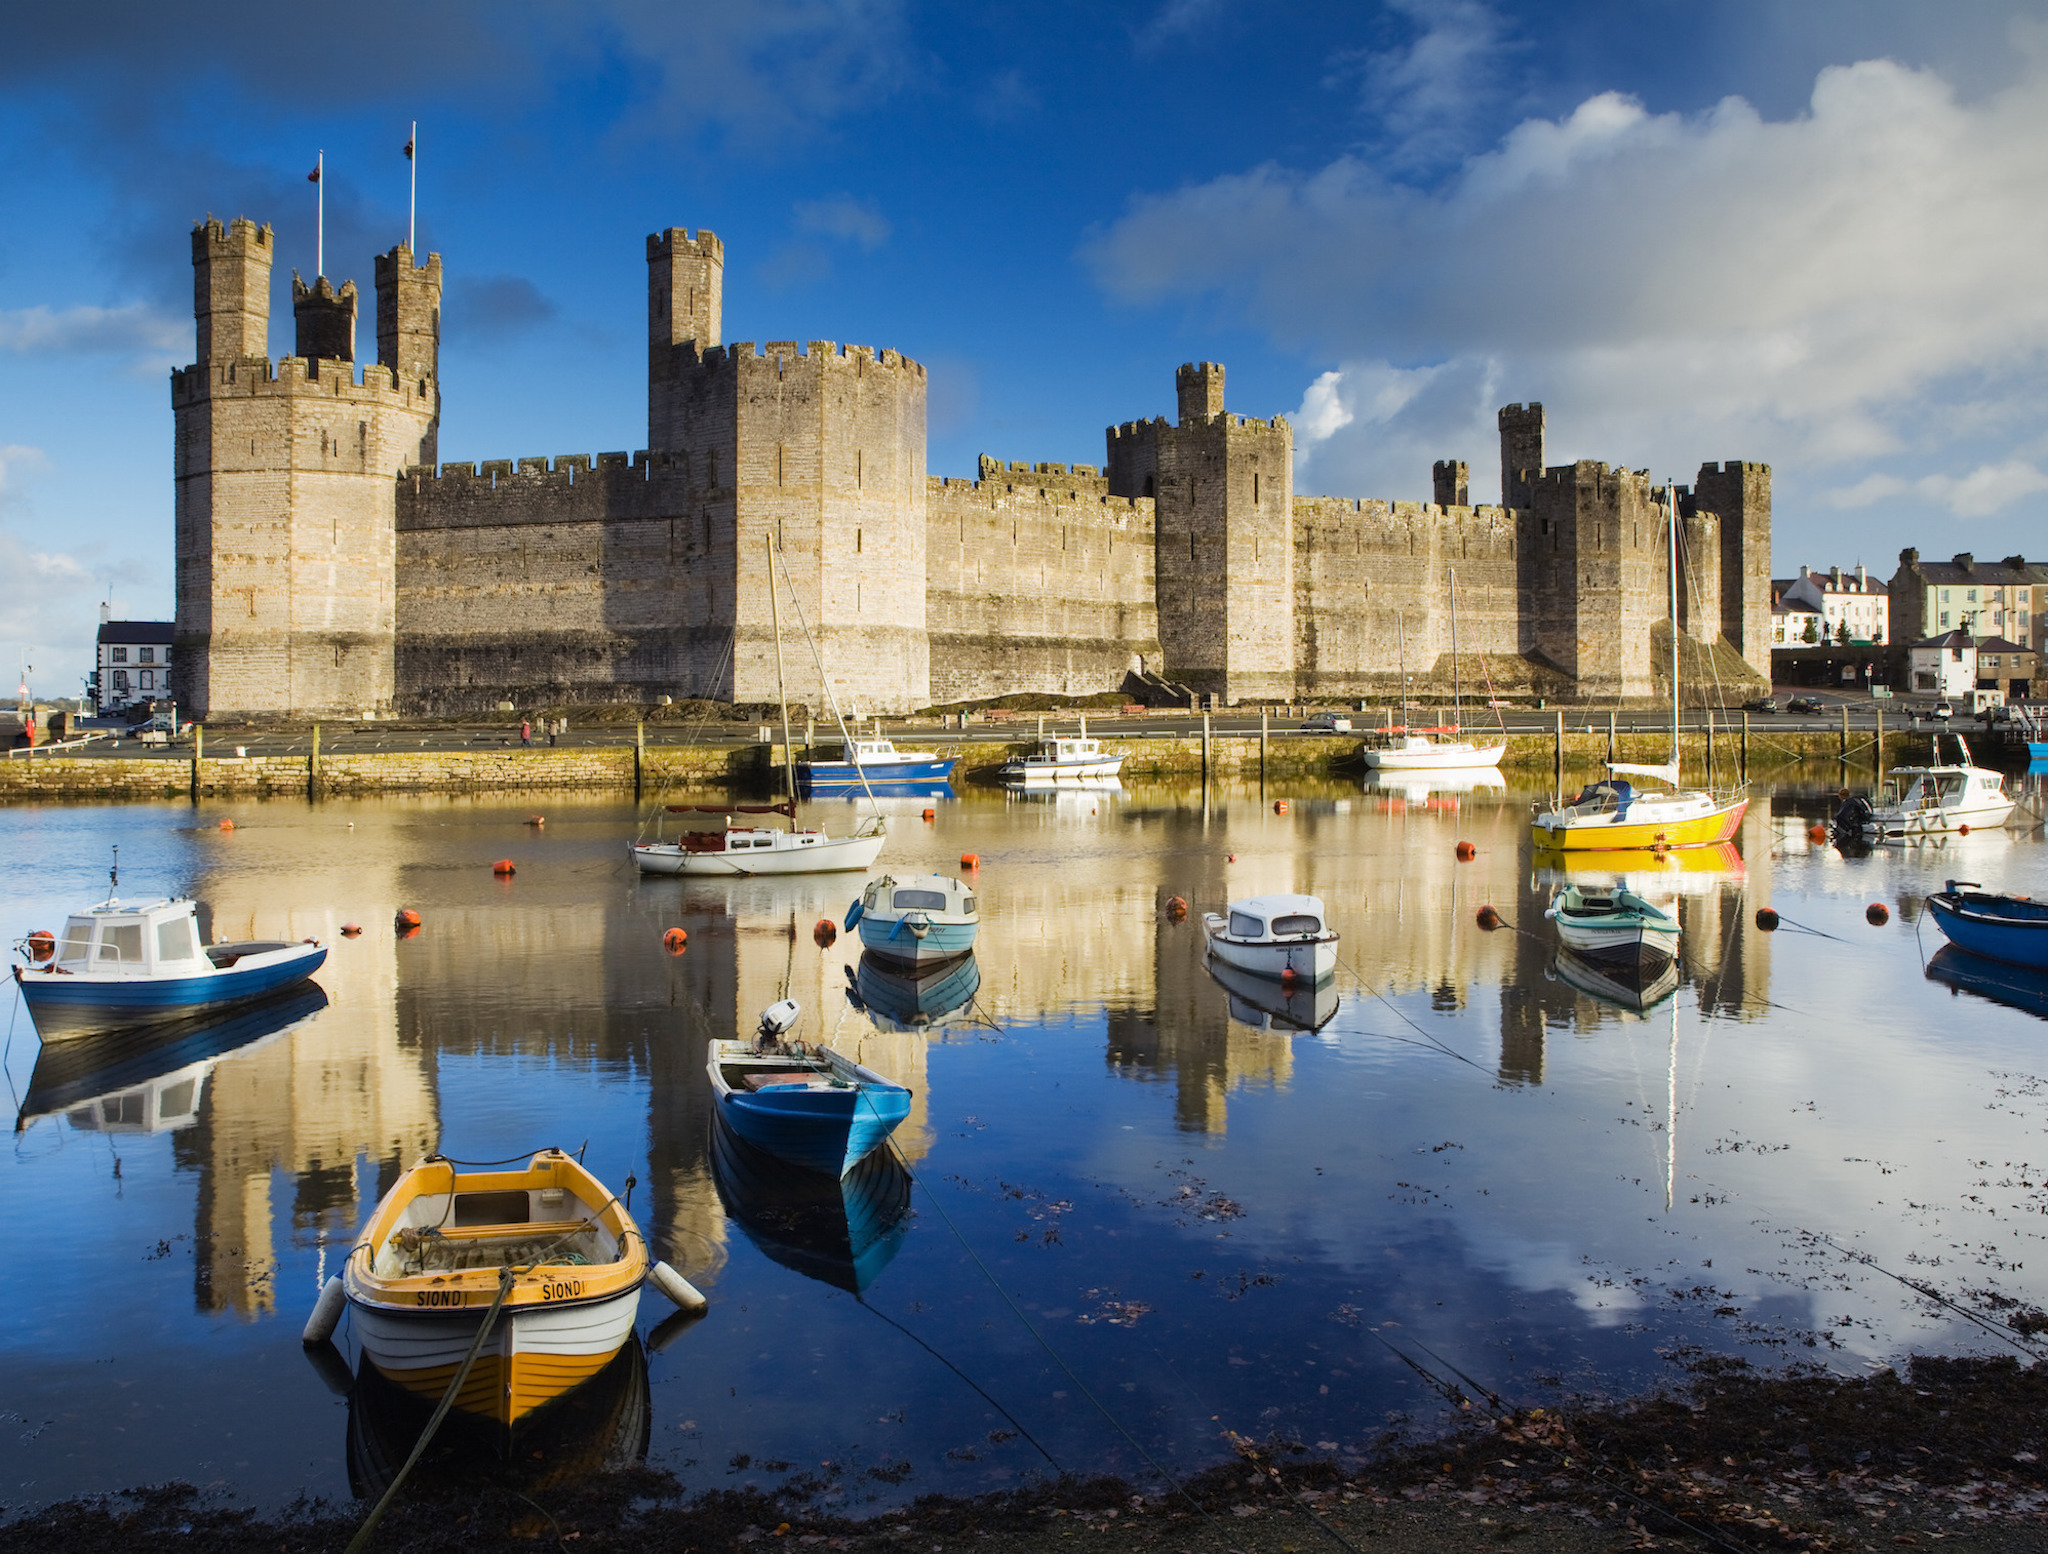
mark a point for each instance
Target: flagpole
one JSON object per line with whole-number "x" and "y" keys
{"x": 320, "y": 225}
{"x": 412, "y": 209}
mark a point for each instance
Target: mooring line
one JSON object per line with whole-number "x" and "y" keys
{"x": 1427, "y": 1039}
{"x": 2004, "y": 1333}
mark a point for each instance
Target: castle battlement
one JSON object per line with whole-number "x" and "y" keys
{"x": 702, "y": 244}
{"x": 252, "y": 377}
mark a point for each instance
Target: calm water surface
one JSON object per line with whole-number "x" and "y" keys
{"x": 1210, "y": 1219}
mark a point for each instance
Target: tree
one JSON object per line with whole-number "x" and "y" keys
{"x": 1812, "y": 632}
{"x": 1842, "y": 634}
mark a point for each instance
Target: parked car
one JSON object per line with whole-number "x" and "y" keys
{"x": 1943, "y": 711}
{"x": 1804, "y": 704}
{"x": 1761, "y": 704}
{"x": 1327, "y": 723}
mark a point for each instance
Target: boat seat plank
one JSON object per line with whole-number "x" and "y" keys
{"x": 762, "y": 1080}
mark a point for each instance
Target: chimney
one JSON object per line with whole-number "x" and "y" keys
{"x": 1835, "y": 578}
{"x": 1862, "y": 581}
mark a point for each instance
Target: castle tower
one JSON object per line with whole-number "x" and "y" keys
{"x": 326, "y": 319}
{"x": 685, "y": 313}
{"x": 1521, "y": 452}
{"x": 231, "y": 289}
{"x": 1590, "y": 567}
{"x": 1223, "y": 544}
{"x": 1739, "y": 493}
{"x": 409, "y": 328}
{"x": 286, "y": 498}
{"x": 1452, "y": 479}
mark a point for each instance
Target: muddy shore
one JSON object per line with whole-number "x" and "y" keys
{"x": 1946, "y": 1452}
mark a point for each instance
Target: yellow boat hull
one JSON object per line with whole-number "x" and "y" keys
{"x": 1702, "y": 830}
{"x": 502, "y": 1388}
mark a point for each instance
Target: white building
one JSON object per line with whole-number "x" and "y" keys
{"x": 1851, "y": 606}
{"x": 134, "y": 666}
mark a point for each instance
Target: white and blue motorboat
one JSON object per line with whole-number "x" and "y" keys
{"x": 864, "y": 763}
{"x": 123, "y": 964}
{"x": 916, "y": 922}
{"x": 918, "y": 999}
{"x": 802, "y": 1102}
{"x": 2012, "y": 929}
{"x": 1281, "y": 936}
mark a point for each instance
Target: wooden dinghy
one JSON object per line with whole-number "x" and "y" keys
{"x": 426, "y": 1272}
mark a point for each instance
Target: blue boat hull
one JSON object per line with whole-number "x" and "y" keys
{"x": 2021, "y": 942}
{"x": 821, "y": 1130}
{"x": 891, "y": 939}
{"x": 815, "y": 775}
{"x": 841, "y": 1233}
{"x": 65, "y": 1008}
{"x": 917, "y": 997}
{"x": 2017, "y": 987}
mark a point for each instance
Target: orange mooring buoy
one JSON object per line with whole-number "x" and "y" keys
{"x": 1467, "y": 852}
{"x": 42, "y": 944}
{"x": 1816, "y": 833}
{"x": 1230, "y": 857}
{"x": 350, "y": 930}
{"x": 227, "y": 825}
{"x": 970, "y": 860}
{"x": 1279, "y": 806}
{"x": 931, "y": 814}
{"x": 1877, "y": 914}
{"x": 1289, "y": 976}
{"x": 674, "y": 941}
{"x": 536, "y": 821}
{"x": 1962, "y": 830}
{"x": 1177, "y": 908}
{"x": 825, "y": 933}
{"x": 405, "y": 919}
{"x": 503, "y": 866}
{"x": 1767, "y": 919}
{"x": 1489, "y": 919}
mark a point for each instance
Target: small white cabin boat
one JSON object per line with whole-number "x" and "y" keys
{"x": 1420, "y": 751}
{"x": 1282, "y": 936}
{"x": 1063, "y": 758}
{"x": 1921, "y": 801}
{"x": 916, "y": 922}
{"x": 759, "y": 849}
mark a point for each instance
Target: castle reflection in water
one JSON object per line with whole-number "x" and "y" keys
{"x": 442, "y": 1040}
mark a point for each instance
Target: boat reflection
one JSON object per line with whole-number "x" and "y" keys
{"x": 1068, "y": 793}
{"x": 842, "y": 1232}
{"x": 1635, "y": 986}
{"x": 1435, "y": 789}
{"x": 1678, "y": 871}
{"x": 1269, "y": 1005}
{"x": 151, "y": 1079}
{"x": 601, "y": 1425}
{"x": 2016, "y": 987}
{"x": 898, "y": 998}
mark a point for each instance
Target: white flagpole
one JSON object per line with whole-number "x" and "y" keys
{"x": 320, "y": 226}
{"x": 412, "y": 208}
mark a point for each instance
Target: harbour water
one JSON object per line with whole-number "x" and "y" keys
{"x": 1138, "y": 1210}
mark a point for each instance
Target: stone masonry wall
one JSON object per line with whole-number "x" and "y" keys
{"x": 1037, "y": 580}
{"x": 1372, "y": 592}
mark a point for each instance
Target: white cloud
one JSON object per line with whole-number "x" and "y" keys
{"x": 1861, "y": 280}
{"x": 1985, "y": 489}
{"x": 844, "y": 217}
{"x": 1871, "y": 488}
{"x": 16, "y": 461}
{"x": 1422, "y": 92}
{"x": 135, "y": 327}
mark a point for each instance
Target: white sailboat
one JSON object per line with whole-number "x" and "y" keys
{"x": 1417, "y": 750}
{"x": 759, "y": 849}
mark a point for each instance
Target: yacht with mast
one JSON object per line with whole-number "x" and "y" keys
{"x": 1420, "y": 749}
{"x": 1614, "y": 813}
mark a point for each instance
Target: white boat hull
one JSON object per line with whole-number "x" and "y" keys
{"x": 1034, "y": 772}
{"x": 1313, "y": 959}
{"x": 1445, "y": 757}
{"x": 827, "y": 855}
{"x": 1896, "y": 825}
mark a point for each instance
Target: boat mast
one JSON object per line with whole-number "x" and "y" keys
{"x": 781, "y": 693}
{"x": 1671, "y": 572}
{"x": 1457, "y": 691}
{"x": 1401, "y": 658}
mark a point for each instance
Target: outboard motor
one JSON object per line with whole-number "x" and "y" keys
{"x": 777, "y": 1021}
{"x": 1853, "y": 816}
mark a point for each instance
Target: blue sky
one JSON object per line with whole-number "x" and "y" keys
{"x": 1811, "y": 234}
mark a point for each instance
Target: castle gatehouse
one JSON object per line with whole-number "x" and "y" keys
{"x": 329, "y": 565}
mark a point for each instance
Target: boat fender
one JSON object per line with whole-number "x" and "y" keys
{"x": 825, "y": 933}
{"x": 1489, "y": 919}
{"x": 1767, "y": 919}
{"x": 679, "y": 1290}
{"x": 675, "y": 941}
{"x": 1467, "y": 852}
{"x": 326, "y": 1315}
{"x": 1877, "y": 914}
{"x": 405, "y": 919}
{"x": 853, "y": 915}
{"x": 503, "y": 867}
{"x": 42, "y": 944}
{"x": 333, "y": 1369}
{"x": 350, "y": 930}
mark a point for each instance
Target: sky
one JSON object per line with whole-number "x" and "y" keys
{"x": 1811, "y": 234}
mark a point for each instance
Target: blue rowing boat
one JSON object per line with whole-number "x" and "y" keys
{"x": 802, "y": 1102}
{"x": 2013, "y": 929}
{"x": 841, "y": 1233}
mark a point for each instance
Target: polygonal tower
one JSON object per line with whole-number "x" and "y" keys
{"x": 286, "y": 489}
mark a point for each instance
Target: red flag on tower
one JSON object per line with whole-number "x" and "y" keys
{"x": 408, "y": 151}
{"x": 314, "y": 176}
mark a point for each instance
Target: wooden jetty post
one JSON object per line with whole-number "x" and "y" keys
{"x": 1745, "y": 747}
{"x": 198, "y": 751}
{"x": 1557, "y": 756}
{"x": 639, "y": 757}
{"x": 1610, "y": 736}
{"x": 313, "y": 768}
{"x": 1843, "y": 757}
{"x": 1263, "y": 714}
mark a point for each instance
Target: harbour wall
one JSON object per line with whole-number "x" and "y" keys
{"x": 1235, "y": 757}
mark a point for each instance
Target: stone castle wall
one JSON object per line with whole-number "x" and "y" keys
{"x": 1037, "y": 579}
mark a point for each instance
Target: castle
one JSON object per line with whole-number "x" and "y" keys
{"x": 329, "y": 565}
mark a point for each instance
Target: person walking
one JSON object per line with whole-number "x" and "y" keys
{"x": 526, "y": 732}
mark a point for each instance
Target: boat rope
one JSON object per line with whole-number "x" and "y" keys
{"x": 1427, "y": 1039}
{"x": 851, "y": 746}
{"x": 2005, "y": 1334}
{"x": 364, "y": 1533}
{"x": 702, "y": 723}
{"x": 1017, "y": 1311}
